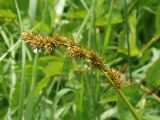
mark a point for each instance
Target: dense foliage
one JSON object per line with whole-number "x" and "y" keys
{"x": 54, "y": 86}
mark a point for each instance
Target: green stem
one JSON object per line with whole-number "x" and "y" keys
{"x": 31, "y": 97}
{"x": 23, "y": 79}
{"x": 91, "y": 29}
{"x": 108, "y": 27}
{"x": 127, "y": 38}
{"x": 19, "y": 16}
{"x": 150, "y": 42}
{"x": 23, "y": 83}
{"x": 130, "y": 107}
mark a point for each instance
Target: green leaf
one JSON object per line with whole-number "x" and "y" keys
{"x": 111, "y": 96}
{"x": 32, "y": 10}
{"x": 63, "y": 110}
{"x": 133, "y": 94}
{"x": 60, "y": 94}
{"x": 151, "y": 117}
{"x": 153, "y": 75}
{"x": 14, "y": 100}
{"x": 157, "y": 24}
{"x": 51, "y": 65}
{"x": 81, "y": 14}
{"x": 42, "y": 84}
{"x": 54, "y": 68}
{"x": 133, "y": 38}
{"x": 122, "y": 47}
{"x": 117, "y": 18}
{"x": 7, "y": 14}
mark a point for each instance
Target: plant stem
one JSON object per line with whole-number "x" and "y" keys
{"x": 92, "y": 29}
{"x": 23, "y": 83}
{"x": 31, "y": 97}
{"x": 108, "y": 27}
{"x": 130, "y": 107}
{"x": 156, "y": 97}
{"x": 150, "y": 42}
{"x": 23, "y": 79}
{"x": 127, "y": 38}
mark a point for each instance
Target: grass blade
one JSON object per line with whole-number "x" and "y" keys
{"x": 109, "y": 25}
{"x": 90, "y": 34}
{"x": 30, "y": 104}
{"x": 32, "y": 10}
{"x": 23, "y": 80}
{"x": 127, "y": 38}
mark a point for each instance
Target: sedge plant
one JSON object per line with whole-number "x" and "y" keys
{"x": 74, "y": 50}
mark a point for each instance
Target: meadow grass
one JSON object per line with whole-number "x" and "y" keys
{"x": 114, "y": 76}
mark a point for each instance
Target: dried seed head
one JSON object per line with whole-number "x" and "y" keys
{"x": 65, "y": 41}
{"x": 95, "y": 59}
{"x": 27, "y": 36}
{"x": 46, "y": 44}
{"x": 72, "y": 43}
{"x": 77, "y": 52}
{"x": 59, "y": 39}
{"x": 114, "y": 76}
{"x": 117, "y": 83}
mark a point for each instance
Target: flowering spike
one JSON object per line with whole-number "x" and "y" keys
{"x": 95, "y": 59}
{"x": 48, "y": 44}
{"x": 77, "y": 52}
{"x": 114, "y": 76}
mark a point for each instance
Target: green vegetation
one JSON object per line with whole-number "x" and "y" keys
{"x": 37, "y": 83}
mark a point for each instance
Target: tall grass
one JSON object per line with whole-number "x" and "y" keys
{"x": 71, "y": 82}
{"x": 23, "y": 80}
{"x": 127, "y": 39}
{"x": 49, "y": 44}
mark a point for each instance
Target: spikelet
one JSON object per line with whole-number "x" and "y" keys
{"x": 60, "y": 40}
{"x": 95, "y": 59}
{"x": 77, "y": 52}
{"x": 71, "y": 43}
{"x": 65, "y": 41}
{"x": 46, "y": 44}
{"x": 114, "y": 76}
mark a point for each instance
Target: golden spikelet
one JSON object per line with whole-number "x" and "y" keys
{"x": 114, "y": 76}
{"x": 95, "y": 59}
{"x": 77, "y": 52}
{"x": 117, "y": 83}
{"x": 72, "y": 43}
{"x": 46, "y": 44}
{"x": 59, "y": 39}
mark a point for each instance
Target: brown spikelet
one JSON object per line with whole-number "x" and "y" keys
{"x": 114, "y": 76}
{"x": 65, "y": 41}
{"x": 59, "y": 39}
{"x": 117, "y": 83}
{"x": 46, "y": 44}
{"x": 72, "y": 43}
{"x": 77, "y": 52}
{"x": 95, "y": 59}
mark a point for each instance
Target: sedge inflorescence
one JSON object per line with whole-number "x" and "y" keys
{"x": 49, "y": 44}
{"x": 114, "y": 76}
{"x": 95, "y": 59}
{"x": 46, "y": 44}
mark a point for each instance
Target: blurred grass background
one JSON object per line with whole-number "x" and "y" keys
{"x": 55, "y": 87}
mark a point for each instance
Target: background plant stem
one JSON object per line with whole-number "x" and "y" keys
{"x": 23, "y": 80}
{"x": 127, "y": 38}
{"x": 30, "y": 105}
